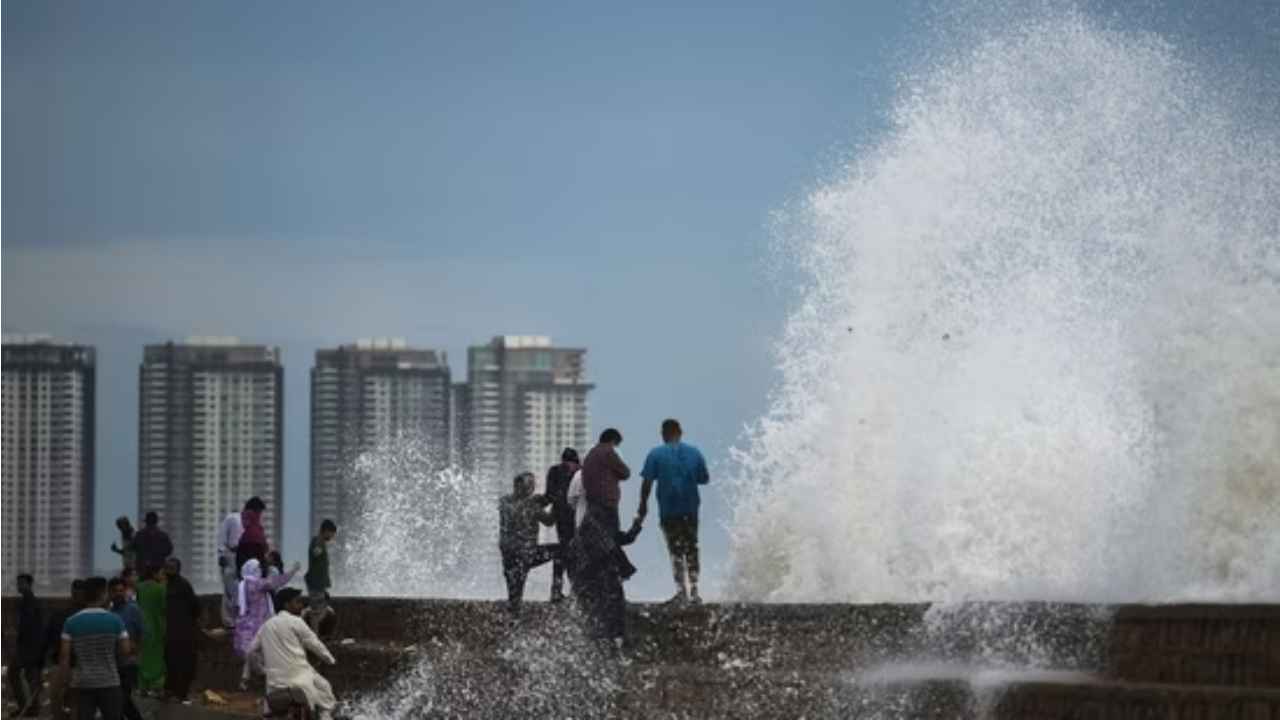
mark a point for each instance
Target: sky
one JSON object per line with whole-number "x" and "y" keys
{"x": 305, "y": 174}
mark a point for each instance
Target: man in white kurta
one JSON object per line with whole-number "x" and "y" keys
{"x": 228, "y": 537}
{"x": 284, "y": 641}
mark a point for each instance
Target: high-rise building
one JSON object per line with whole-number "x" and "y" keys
{"x": 211, "y": 425}
{"x": 366, "y": 394}
{"x": 48, "y": 446}
{"x": 525, "y": 402}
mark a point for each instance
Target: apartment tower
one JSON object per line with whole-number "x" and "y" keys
{"x": 211, "y": 426}
{"x": 366, "y": 394}
{"x": 48, "y": 459}
{"x": 525, "y": 402}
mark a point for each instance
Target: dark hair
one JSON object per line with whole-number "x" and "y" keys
{"x": 255, "y": 503}
{"x": 116, "y": 581}
{"x": 27, "y": 577}
{"x": 611, "y": 436}
{"x": 152, "y": 518}
{"x": 329, "y": 525}
{"x": 125, "y": 527}
{"x": 519, "y": 480}
{"x": 77, "y": 587}
{"x": 670, "y": 427}
{"x": 94, "y": 590}
{"x": 176, "y": 562}
{"x": 286, "y": 596}
{"x": 569, "y": 455}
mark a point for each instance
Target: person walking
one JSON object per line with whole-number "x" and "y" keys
{"x": 125, "y": 549}
{"x": 254, "y": 601}
{"x": 62, "y": 696}
{"x": 253, "y": 537}
{"x": 153, "y": 602}
{"x": 518, "y": 516}
{"x": 284, "y": 641}
{"x": 678, "y": 469}
{"x": 26, "y": 666}
{"x": 96, "y": 637}
{"x": 131, "y": 616}
{"x": 603, "y": 471}
{"x": 228, "y": 539}
{"x": 559, "y": 477}
{"x": 152, "y": 544}
{"x": 182, "y": 626}
{"x": 317, "y": 578}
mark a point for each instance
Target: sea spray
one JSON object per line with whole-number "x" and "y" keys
{"x": 418, "y": 527}
{"x": 1037, "y": 354}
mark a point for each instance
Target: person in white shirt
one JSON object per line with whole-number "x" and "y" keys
{"x": 228, "y": 539}
{"x": 577, "y": 497}
{"x": 283, "y": 642}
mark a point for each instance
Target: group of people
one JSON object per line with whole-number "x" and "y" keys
{"x": 132, "y": 632}
{"x": 140, "y": 630}
{"x": 582, "y": 500}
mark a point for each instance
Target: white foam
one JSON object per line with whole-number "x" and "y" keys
{"x": 1038, "y": 353}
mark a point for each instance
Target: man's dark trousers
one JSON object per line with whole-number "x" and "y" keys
{"x": 108, "y": 701}
{"x": 517, "y": 563}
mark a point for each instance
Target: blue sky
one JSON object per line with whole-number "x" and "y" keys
{"x": 304, "y": 174}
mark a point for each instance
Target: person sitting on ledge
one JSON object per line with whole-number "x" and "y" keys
{"x": 519, "y": 514}
{"x": 283, "y": 642}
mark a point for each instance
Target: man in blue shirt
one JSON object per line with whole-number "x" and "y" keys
{"x": 678, "y": 469}
{"x": 129, "y": 613}
{"x": 97, "y": 637}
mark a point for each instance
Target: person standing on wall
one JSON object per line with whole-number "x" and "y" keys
{"x": 317, "y": 578}
{"x": 518, "y": 517}
{"x": 603, "y": 471}
{"x": 228, "y": 539}
{"x": 678, "y": 469}
{"x": 253, "y": 536}
{"x": 152, "y": 544}
{"x": 126, "y": 548}
{"x": 559, "y": 476}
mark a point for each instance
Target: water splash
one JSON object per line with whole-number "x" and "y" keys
{"x": 1038, "y": 350}
{"x": 418, "y": 527}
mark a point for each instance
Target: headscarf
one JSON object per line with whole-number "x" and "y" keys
{"x": 252, "y": 570}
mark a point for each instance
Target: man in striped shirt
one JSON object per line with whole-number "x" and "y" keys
{"x": 96, "y": 637}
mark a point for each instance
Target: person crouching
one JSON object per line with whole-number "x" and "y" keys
{"x": 519, "y": 514}
{"x": 284, "y": 642}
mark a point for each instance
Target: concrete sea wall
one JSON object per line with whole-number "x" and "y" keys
{"x": 439, "y": 658}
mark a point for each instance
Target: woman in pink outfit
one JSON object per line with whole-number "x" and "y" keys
{"x": 255, "y": 606}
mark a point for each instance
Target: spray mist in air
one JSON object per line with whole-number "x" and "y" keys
{"x": 1037, "y": 353}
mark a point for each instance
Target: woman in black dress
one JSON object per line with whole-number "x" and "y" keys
{"x": 182, "y": 621}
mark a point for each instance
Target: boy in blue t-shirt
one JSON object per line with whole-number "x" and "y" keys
{"x": 678, "y": 469}
{"x": 96, "y": 636}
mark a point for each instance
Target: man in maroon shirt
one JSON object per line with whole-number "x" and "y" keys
{"x": 602, "y": 474}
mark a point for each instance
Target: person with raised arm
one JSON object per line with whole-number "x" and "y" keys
{"x": 283, "y": 643}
